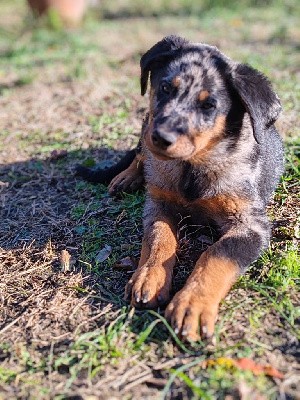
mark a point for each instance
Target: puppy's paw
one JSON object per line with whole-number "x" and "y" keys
{"x": 190, "y": 310}
{"x": 149, "y": 287}
{"x": 126, "y": 181}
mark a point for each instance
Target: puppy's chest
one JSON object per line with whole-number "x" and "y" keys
{"x": 193, "y": 193}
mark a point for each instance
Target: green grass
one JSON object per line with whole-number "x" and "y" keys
{"x": 220, "y": 379}
{"x": 272, "y": 292}
{"x": 114, "y": 124}
{"x": 42, "y": 47}
{"x": 262, "y": 306}
{"x": 119, "y": 9}
{"x": 127, "y": 216}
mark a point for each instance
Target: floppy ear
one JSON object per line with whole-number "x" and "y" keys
{"x": 161, "y": 51}
{"x": 259, "y": 99}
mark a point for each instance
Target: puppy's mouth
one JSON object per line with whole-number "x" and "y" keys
{"x": 169, "y": 145}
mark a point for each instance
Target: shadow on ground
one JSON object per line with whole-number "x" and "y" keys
{"x": 37, "y": 198}
{"x": 45, "y": 209}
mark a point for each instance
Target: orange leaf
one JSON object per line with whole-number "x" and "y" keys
{"x": 271, "y": 371}
{"x": 249, "y": 365}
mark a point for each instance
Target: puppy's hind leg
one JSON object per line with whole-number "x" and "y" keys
{"x": 129, "y": 180}
{"x": 130, "y": 169}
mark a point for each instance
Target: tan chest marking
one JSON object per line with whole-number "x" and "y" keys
{"x": 218, "y": 205}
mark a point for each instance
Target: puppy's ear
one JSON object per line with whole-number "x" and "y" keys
{"x": 260, "y": 101}
{"x": 161, "y": 51}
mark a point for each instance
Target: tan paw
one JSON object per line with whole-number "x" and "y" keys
{"x": 126, "y": 181}
{"x": 188, "y": 311}
{"x": 149, "y": 287}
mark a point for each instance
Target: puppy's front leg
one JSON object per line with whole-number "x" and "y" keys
{"x": 151, "y": 283}
{"x": 215, "y": 272}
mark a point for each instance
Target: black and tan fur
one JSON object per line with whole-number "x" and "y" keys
{"x": 209, "y": 151}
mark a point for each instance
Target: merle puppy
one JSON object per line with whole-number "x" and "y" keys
{"x": 209, "y": 152}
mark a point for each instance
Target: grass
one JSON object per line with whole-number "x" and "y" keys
{"x": 73, "y": 96}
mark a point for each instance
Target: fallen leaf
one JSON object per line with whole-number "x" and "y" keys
{"x": 126, "y": 264}
{"x": 273, "y": 372}
{"x": 245, "y": 364}
{"x": 103, "y": 254}
{"x": 249, "y": 365}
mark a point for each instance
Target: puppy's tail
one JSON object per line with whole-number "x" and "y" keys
{"x": 105, "y": 175}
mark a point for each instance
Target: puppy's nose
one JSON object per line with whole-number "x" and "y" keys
{"x": 163, "y": 139}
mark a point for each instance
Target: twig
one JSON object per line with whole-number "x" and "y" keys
{"x": 12, "y": 323}
{"x": 144, "y": 377}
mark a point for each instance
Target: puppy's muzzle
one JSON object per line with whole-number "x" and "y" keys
{"x": 167, "y": 131}
{"x": 163, "y": 139}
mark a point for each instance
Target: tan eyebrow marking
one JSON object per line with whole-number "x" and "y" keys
{"x": 203, "y": 95}
{"x": 176, "y": 81}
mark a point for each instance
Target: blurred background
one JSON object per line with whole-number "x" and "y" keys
{"x": 62, "y": 58}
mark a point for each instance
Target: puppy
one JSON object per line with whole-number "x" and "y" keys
{"x": 209, "y": 152}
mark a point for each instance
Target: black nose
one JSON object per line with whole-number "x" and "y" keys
{"x": 163, "y": 139}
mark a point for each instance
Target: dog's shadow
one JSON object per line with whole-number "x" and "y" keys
{"x": 38, "y": 196}
{"x": 42, "y": 201}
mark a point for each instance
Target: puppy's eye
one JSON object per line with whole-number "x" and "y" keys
{"x": 208, "y": 105}
{"x": 166, "y": 88}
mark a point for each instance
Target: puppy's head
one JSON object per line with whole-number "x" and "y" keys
{"x": 198, "y": 98}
